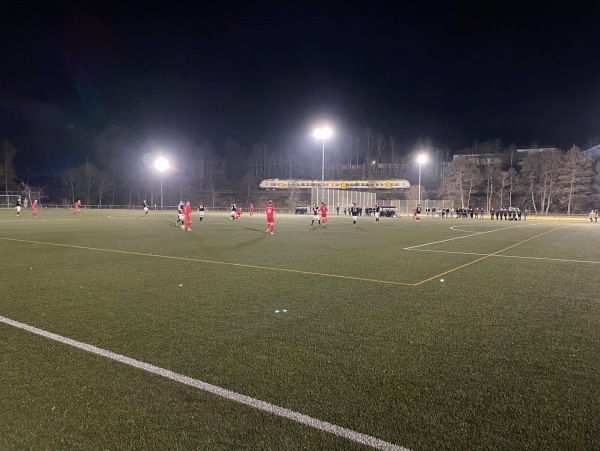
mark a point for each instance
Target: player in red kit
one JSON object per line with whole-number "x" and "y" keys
{"x": 77, "y": 207}
{"x": 270, "y": 212}
{"x": 34, "y": 207}
{"x": 251, "y": 209}
{"x": 323, "y": 210}
{"x": 187, "y": 212}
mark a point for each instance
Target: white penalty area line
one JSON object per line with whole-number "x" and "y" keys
{"x": 306, "y": 420}
{"x": 464, "y": 236}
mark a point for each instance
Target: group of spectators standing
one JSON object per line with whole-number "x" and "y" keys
{"x": 512, "y": 214}
{"x": 509, "y": 215}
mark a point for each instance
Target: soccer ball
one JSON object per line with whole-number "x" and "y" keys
{"x": 182, "y": 227}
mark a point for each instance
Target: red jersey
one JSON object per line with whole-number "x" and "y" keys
{"x": 34, "y": 205}
{"x": 187, "y": 211}
{"x": 323, "y": 210}
{"x": 270, "y": 211}
{"x": 251, "y": 207}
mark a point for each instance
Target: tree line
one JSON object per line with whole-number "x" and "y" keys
{"x": 490, "y": 176}
{"x": 118, "y": 170}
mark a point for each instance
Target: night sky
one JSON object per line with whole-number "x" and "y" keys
{"x": 268, "y": 72}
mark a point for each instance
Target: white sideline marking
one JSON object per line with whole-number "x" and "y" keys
{"x": 464, "y": 236}
{"x": 349, "y": 434}
{"x": 508, "y": 256}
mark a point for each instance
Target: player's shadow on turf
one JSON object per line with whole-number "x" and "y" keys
{"x": 261, "y": 231}
{"x": 250, "y": 242}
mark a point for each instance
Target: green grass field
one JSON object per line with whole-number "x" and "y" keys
{"x": 432, "y": 335}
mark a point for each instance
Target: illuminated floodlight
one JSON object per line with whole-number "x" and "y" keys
{"x": 161, "y": 164}
{"x": 422, "y": 158}
{"x": 323, "y": 133}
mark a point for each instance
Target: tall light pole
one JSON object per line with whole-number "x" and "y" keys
{"x": 322, "y": 133}
{"x": 162, "y": 164}
{"x": 421, "y": 159}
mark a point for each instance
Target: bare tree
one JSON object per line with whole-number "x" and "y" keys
{"x": 380, "y": 146}
{"x": 460, "y": 181}
{"x": 88, "y": 174}
{"x": 71, "y": 182}
{"x": 529, "y": 175}
{"x": 393, "y": 146}
{"x": 491, "y": 170}
{"x": 550, "y": 171}
{"x": 33, "y": 192}
{"x": 104, "y": 185}
{"x": 368, "y": 140}
{"x": 7, "y": 157}
{"x": 577, "y": 177}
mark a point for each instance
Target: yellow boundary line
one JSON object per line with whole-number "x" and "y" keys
{"x": 486, "y": 256}
{"x": 197, "y": 260}
{"x": 293, "y": 271}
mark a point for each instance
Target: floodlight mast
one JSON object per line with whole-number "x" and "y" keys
{"x": 421, "y": 159}
{"x": 161, "y": 164}
{"x": 322, "y": 133}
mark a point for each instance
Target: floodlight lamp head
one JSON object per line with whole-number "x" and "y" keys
{"x": 422, "y": 158}
{"x": 162, "y": 164}
{"x": 323, "y": 133}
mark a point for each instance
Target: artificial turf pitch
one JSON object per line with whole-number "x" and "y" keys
{"x": 439, "y": 334}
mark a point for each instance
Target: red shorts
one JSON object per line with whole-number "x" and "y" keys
{"x": 270, "y": 219}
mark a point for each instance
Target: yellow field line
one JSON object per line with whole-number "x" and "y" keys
{"x": 486, "y": 256}
{"x": 197, "y": 260}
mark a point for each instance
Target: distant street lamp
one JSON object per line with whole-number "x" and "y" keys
{"x": 420, "y": 159}
{"x": 323, "y": 133}
{"x": 162, "y": 164}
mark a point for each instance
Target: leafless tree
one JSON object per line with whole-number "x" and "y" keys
{"x": 7, "y": 157}
{"x": 576, "y": 178}
{"x": 71, "y": 182}
{"x": 460, "y": 182}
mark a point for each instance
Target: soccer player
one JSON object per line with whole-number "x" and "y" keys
{"x": 323, "y": 211}
{"x": 145, "y": 205}
{"x": 180, "y": 215}
{"x": 187, "y": 212}
{"x": 233, "y": 213}
{"x": 238, "y": 213}
{"x": 354, "y": 213}
{"x": 34, "y": 207}
{"x": 251, "y": 209}
{"x": 316, "y": 217}
{"x": 77, "y": 207}
{"x": 270, "y": 212}
{"x": 18, "y": 206}
{"x": 377, "y": 212}
{"x": 201, "y": 211}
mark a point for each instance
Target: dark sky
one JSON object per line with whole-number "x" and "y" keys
{"x": 267, "y": 71}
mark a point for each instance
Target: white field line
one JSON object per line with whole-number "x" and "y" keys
{"x": 465, "y": 236}
{"x": 224, "y": 393}
{"x": 508, "y": 256}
